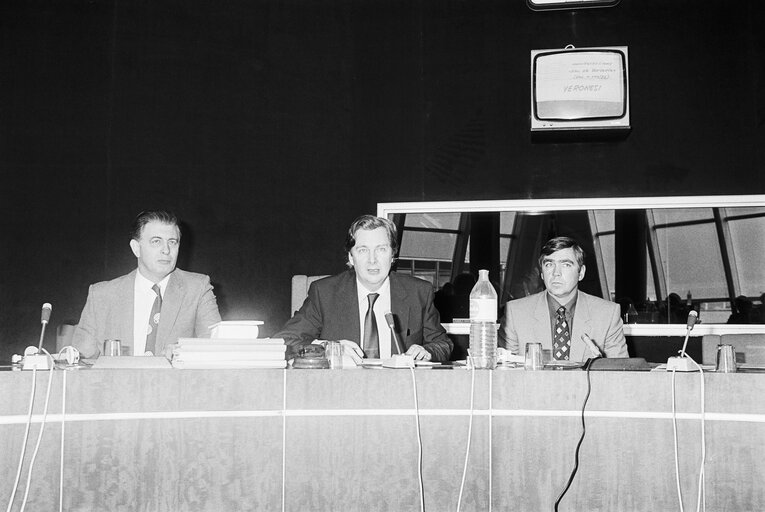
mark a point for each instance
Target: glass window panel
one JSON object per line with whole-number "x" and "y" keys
{"x": 604, "y": 220}
{"x": 504, "y": 246}
{"x": 506, "y": 223}
{"x": 744, "y": 210}
{"x": 671, "y": 215}
{"x": 427, "y": 246}
{"x": 427, "y": 275}
{"x": 747, "y": 237}
{"x": 607, "y": 249}
{"x": 426, "y": 270}
{"x": 715, "y": 312}
{"x": 433, "y": 220}
{"x": 607, "y": 243}
{"x": 650, "y": 292}
{"x": 436, "y": 273}
{"x": 687, "y": 267}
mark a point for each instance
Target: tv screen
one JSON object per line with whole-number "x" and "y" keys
{"x": 580, "y": 89}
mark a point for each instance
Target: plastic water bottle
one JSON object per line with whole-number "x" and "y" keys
{"x": 483, "y": 323}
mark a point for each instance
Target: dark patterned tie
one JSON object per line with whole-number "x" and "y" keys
{"x": 371, "y": 342}
{"x": 562, "y": 338}
{"x": 151, "y": 331}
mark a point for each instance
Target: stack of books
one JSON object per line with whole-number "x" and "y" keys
{"x": 229, "y": 353}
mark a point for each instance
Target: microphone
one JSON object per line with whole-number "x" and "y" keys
{"x": 692, "y": 317}
{"x": 392, "y": 325}
{"x": 399, "y": 360}
{"x": 683, "y": 363}
{"x": 44, "y": 319}
{"x": 46, "y": 310}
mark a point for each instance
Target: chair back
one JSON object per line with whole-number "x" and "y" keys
{"x": 300, "y": 284}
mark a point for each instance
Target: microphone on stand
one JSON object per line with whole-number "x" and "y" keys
{"x": 399, "y": 360}
{"x": 392, "y": 325}
{"x": 34, "y": 358}
{"x": 683, "y": 363}
{"x": 44, "y": 319}
{"x": 692, "y": 317}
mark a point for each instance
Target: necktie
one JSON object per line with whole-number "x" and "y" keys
{"x": 151, "y": 331}
{"x": 562, "y": 336}
{"x": 371, "y": 342}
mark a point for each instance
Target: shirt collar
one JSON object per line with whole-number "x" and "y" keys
{"x": 362, "y": 291}
{"x": 141, "y": 283}
{"x": 553, "y": 305}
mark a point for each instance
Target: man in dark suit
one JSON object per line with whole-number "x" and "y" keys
{"x": 573, "y": 325}
{"x": 152, "y": 306}
{"x": 350, "y": 307}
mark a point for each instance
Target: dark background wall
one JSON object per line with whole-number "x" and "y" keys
{"x": 269, "y": 125}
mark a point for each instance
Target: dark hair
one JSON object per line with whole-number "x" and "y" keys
{"x": 369, "y": 223}
{"x": 463, "y": 283}
{"x": 562, "y": 242}
{"x": 146, "y": 216}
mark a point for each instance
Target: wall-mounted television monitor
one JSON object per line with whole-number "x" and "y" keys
{"x": 575, "y": 89}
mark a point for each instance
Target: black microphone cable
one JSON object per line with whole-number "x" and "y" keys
{"x": 581, "y": 438}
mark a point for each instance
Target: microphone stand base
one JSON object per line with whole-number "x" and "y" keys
{"x": 681, "y": 364}
{"x": 36, "y": 362}
{"x": 399, "y": 361}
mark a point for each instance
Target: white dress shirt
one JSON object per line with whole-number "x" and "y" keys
{"x": 382, "y": 306}
{"x": 143, "y": 301}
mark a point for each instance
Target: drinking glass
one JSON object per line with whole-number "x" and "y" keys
{"x": 112, "y": 348}
{"x": 533, "y": 357}
{"x": 334, "y": 354}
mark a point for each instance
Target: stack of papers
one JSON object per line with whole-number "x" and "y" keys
{"x": 130, "y": 362}
{"x": 239, "y": 329}
{"x": 229, "y": 353}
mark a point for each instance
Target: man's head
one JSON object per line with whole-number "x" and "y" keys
{"x": 155, "y": 239}
{"x": 562, "y": 264}
{"x": 371, "y": 245}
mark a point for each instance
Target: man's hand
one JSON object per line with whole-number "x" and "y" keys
{"x": 352, "y": 349}
{"x": 419, "y": 353}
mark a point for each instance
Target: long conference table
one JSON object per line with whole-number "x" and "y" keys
{"x": 297, "y": 440}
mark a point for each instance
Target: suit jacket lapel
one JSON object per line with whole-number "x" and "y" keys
{"x": 171, "y": 306}
{"x": 582, "y": 325}
{"x": 400, "y": 308}
{"x": 541, "y": 325}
